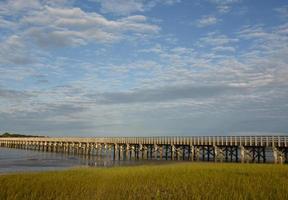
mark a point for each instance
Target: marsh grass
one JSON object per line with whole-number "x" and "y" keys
{"x": 172, "y": 181}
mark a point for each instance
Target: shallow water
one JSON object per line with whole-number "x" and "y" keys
{"x": 19, "y": 160}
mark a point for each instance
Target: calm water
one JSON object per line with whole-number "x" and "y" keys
{"x": 18, "y": 160}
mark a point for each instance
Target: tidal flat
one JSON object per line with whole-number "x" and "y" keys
{"x": 171, "y": 181}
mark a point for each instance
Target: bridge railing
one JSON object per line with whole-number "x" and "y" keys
{"x": 280, "y": 141}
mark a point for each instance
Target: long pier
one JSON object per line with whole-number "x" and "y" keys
{"x": 195, "y": 148}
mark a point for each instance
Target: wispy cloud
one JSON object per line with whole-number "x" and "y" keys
{"x": 170, "y": 93}
{"x": 121, "y": 7}
{"x": 76, "y": 27}
{"x": 126, "y": 7}
{"x": 224, "y": 6}
{"x": 13, "y": 51}
{"x": 207, "y": 21}
{"x": 14, "y": 95}
{"x": 215, "y": 39}
{"x": 283, "y": 11}
{"x": 58, "y": 27}
{"x": 225, "y": 49}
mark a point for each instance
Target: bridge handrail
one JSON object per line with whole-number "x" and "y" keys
{"x": 264, "y": 140}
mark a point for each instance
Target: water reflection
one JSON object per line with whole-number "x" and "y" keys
{"x": 18, "y": 160}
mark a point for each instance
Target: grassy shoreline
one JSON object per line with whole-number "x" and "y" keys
{"x": 171, "y": 181}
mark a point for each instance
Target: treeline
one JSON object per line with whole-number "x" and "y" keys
{"x": 17, "y": 135}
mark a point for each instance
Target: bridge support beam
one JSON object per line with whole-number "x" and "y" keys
{"x": 280, "y": 155}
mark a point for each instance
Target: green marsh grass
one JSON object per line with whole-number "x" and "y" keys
{"x": 171, "y": 181}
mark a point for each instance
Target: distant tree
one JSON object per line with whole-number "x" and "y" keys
{"x": 6, "y": 134}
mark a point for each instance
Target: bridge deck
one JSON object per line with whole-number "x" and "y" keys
{"x": 268, "y": 141}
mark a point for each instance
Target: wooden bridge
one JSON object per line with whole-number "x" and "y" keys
{"x": 194, "y": 148}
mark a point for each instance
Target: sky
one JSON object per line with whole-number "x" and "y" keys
{"x": 144, "y": 67}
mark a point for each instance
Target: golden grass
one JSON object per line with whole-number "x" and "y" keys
{"x": 171, "y": 181}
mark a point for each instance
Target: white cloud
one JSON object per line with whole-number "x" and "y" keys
{"x": 13, "y": 51}
{"x": 224, "y": 6}
{"x": 224, "y": 49}
{"x": 224, "y": 1}
{"x": 127, "y": 7}
{"x": 252, "y": 32}
{"x": 207, "y": 21}
{"x": 59, "y": 27}
{"x": 6, "y": 24}
{"x": 283, "y": 11}
{"x": 12, "y": 7}
{"x": 121, "y": 7}
{"x": 215, "y": 39}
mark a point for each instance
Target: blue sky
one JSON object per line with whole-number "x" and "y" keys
{"x": 143, "y": 67}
